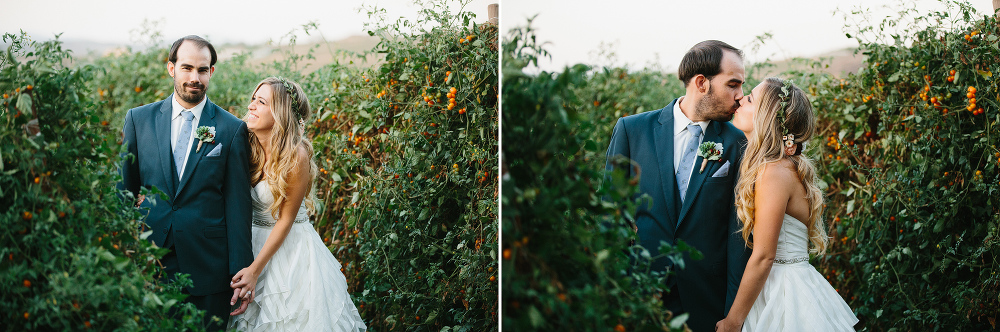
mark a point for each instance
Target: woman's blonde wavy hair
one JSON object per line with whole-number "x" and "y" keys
{"x": 765, "y": 146}
{"x": 290, "y": 109}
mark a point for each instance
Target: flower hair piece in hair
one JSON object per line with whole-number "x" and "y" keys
{"x": 290, "y": 89}
{"x": 787, "y": 138}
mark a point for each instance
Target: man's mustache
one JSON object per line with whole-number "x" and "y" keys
{"x": 194, "y": 85}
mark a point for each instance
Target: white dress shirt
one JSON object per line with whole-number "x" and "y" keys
{"x": 176, "y": 120}
{"x": 682, "y": 135}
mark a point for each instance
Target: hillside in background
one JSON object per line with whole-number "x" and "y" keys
{"x": 841, "y": 62}
{"x": 324, "y": 53}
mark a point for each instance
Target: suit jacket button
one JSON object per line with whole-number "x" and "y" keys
{"x": 175, "y": 207}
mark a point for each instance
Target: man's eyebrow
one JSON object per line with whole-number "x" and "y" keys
{"x": 735, "y": 80}
{"x": 203, "y": 68}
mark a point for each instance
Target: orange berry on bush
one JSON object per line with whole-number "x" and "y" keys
{"x": 619, "y": 328}
{"x": 138, "y": 89}
{"x": 506, "y": 254}
{"x": 26, "y": 215}
{"x": 597, "y": 103}
{"x": 27, "y": 283}
{"x": 493, "y": 278}
{"x": 26, "y": 315}
{"x": 952, "y": 72}
{"x": 461, "y": 111}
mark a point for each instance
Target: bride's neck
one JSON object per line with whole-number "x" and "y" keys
{"x": 264, "y": 138}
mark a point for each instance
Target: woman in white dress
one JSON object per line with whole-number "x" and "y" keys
{"x": 294, "y": 282}
{"x": 779, "y": 203}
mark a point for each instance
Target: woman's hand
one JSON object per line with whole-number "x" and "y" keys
{"x": 244, "y": 284}
{"x": 727, "y": 325}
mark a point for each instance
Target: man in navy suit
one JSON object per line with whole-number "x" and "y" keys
{"x": 689, "y": 202}
{"x": 197, "y": 154}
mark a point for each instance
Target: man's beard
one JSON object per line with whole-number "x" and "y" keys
{"x": 715, "y": 108}
{"x": 190, "y": 97}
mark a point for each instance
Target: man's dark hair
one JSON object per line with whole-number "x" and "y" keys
{"x": 198, "y": 41}
{"x": 704, "y": 58}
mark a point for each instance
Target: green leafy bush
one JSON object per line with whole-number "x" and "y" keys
{"x": 912, "y": 169}
{"x": 72, "y": 258}
{"x": 410, "y": 172}
{"x": 568, "y": 263}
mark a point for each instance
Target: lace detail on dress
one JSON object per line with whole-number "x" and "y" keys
{"x": 261, "y": 197}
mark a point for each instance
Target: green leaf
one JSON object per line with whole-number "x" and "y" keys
{"x": 895, "y": 76}
{"x": 535, "y": 317}
{"x": 678, "y": 321}
{"x": 24, "y": 104}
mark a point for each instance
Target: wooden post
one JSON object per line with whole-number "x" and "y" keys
{"x": 493, "y": 11}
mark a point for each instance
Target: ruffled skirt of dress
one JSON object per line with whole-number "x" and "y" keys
{"x": 797, "y": 298}
{"x": 300, "y": 289}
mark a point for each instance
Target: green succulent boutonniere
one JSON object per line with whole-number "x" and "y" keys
{"x": 709, "y": 151}
{"x": 204, "y": 134}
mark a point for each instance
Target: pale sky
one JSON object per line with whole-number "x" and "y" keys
{"x": 641, "y": 30}
{"x": 220, "y": 21}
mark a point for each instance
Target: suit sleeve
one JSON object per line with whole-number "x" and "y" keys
{"x": 618, "y": 146}
{"x": 737, "y": 253}
{"x": 129, "y": 169}
{"x": 237, "y": 197}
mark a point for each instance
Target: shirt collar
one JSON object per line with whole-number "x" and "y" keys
{"x": 681, "y": 121}
{"x": 177, "y": 108}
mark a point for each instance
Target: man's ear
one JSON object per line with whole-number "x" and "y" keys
{"x": 170, "y": 68}
{"x": 702, "y": 83}
{"x": 211, "y": 71}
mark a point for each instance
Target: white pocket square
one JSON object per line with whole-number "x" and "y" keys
{"x": 216, "y": 151}
{"x": 723, "y": 171}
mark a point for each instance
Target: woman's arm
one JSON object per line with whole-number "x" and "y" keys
{"x": 298, "y": 185}
{"x": 772, "y": 192}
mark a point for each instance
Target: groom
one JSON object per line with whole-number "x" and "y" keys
{"x": 197, "y": 154}
{"x": 690, "y": 203}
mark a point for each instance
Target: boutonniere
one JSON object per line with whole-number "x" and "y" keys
{"x": 204, "y": 134}
{"x": 709, "y": 151}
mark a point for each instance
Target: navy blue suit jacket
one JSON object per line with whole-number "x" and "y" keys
{"x": 706, "y": 220}
{"x": 207, "y": 212}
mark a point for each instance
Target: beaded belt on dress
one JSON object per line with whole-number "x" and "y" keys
{"x": 261, "y": 217}
{"x": 791, "y": 260}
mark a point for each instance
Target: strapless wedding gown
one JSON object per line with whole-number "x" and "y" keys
{"x": 795, "y": 296}
{"x": 301, "y": 288}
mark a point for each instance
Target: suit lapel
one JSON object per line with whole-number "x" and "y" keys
{"x": 663, "y": 136}
{"x": 698, "y": 178}
{"x": 162, "y": 128}
{"x": 207, "y": 120}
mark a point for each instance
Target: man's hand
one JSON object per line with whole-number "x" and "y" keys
{"x": 244, "y": 301}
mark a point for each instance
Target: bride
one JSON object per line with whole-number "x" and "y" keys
{"x": 779, "y": 203}
{"x": 294, "y": 282}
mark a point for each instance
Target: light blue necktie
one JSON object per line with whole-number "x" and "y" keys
{"x": 684, "y": 168}
{"x": 182, "y": 142}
